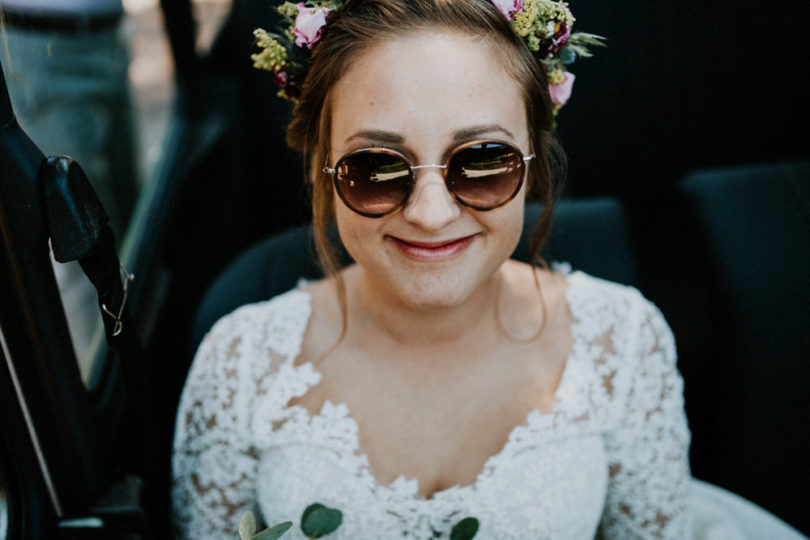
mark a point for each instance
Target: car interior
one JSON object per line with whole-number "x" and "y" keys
{"x": 688, "y": 178}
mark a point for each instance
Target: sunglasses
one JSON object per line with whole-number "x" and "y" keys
{"x": 376, "y": 182}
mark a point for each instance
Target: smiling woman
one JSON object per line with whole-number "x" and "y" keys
{"x": 434, "y": 379}
{"x": 430, "y": 91}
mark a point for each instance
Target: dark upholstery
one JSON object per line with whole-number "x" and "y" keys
{"x": 754, "y": 227}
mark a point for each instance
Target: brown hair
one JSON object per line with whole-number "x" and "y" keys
{"x": 362, "y": 23}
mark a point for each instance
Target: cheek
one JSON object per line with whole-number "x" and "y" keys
{"x": 510, "y": 227}
{"x": 514, "y": 227}
{"x": 343, "y": 223}
{"x": 513, "y": 218}
{"x": 505, "y": 226}
{"x": 354, "y": 230}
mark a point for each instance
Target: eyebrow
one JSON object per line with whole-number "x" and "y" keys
{"x": 475, "y": 131}
{"x": 460, "y": 135}
{"x": 377, "y": 135}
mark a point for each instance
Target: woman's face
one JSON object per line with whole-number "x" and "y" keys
{"x": 424, "y": 94}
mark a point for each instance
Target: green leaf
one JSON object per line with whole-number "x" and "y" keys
{"x": 283, "y": 40}
{"x": 567, "y": 54}
{"x": 247, "y": 525}
{"x": 590, "y": 39}
{"x": 318, "y": 520}
{"x": 274, "y": 532}
{"x": 581, "y": 51}
{"x": 309, "y": 509}
{"x": 464, "y": 529}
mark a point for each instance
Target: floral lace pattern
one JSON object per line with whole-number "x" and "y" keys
{"x": 609, "y": 459}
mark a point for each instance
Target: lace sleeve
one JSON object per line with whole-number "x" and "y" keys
{"x": 213, "y": 464}
{"x": 648, "y": 452}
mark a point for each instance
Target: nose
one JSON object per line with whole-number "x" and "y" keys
{"x": 431, "y": 206}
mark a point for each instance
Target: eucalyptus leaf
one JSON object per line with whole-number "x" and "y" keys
{"x": 465, "y": 529}
{"x": 247, "y": 525}
{"x": 274, "y": 532}
{"x": 319, "y": 520}
{"x": 568, "y": 54}
{"x": 309, "y": 509}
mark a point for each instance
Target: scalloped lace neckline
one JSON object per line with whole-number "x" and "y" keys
{"x": 405, "y": 487}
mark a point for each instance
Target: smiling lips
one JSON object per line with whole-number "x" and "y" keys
{"x": 444, "y": 249}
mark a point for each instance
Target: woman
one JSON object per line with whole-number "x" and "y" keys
{"x": 435, "y": 379}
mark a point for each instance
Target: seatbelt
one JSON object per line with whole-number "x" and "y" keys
{"x": 79, "y": 231}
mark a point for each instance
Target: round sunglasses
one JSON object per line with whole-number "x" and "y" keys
{"x": 376, "y": 182}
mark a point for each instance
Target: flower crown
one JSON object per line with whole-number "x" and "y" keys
{"x": 545, "y": 25}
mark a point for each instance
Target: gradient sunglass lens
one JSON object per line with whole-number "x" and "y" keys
{"x": 373, "y": 183}
{"x": 485, "y": 175}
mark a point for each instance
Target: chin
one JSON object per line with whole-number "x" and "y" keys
{"x": 434, "y": 293}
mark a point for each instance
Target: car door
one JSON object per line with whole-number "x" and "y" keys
{"x": 85, "y": 444}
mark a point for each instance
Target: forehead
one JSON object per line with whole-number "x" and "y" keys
{"x": 426, "y": 86}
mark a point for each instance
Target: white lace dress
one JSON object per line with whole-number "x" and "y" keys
{"x": 610, "y": 459}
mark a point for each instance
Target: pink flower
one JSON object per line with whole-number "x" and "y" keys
{"x": 280, "y": 79}
{"x": 560, "y": 93}
{"x": 309, "y": 24}
{"x": 508, "y": 7}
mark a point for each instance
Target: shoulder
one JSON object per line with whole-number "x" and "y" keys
{"x": 291, "y": 305}
{"x": 277, "y": 324}
{"x": 632, "y": 357}
{"x": 594, "y": 290}
{"x": 247, "y": 344}
{"x": 239, "y": 351}
{"x": 631, "y": 329}
{"x": 621, "y": 307}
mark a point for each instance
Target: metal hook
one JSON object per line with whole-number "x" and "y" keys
{"x": 126, "y": 278}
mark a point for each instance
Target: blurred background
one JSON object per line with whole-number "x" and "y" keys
{"x": 184, "y": 142}
{"x": 151, "y": 71}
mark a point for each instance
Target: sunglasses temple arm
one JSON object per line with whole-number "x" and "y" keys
{"x": 326, "y": 168}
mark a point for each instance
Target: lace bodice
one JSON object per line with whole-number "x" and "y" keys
{"x": 609, "y": 459}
